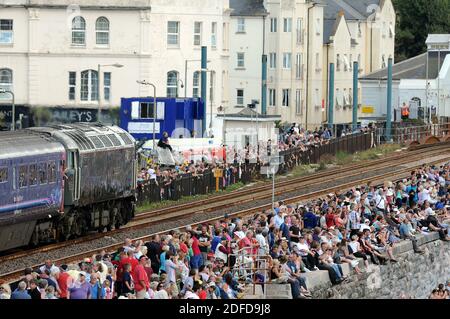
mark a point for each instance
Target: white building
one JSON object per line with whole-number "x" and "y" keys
{"x": 355, "y": 31}
{"x": 422, "y": 83}
{"x": 50, "y": 51}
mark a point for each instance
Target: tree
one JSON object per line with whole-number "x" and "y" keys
{"x": 415, "y": 20}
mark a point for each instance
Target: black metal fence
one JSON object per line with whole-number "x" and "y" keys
{"x": 164, "y": 188}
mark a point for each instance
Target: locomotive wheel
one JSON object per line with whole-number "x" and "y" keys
{"x": 80, "y": 226}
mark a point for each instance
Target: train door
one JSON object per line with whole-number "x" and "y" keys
{"x": 72, "y": 185}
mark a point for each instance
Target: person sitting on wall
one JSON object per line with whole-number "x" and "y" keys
{"x": 164, "y": 142}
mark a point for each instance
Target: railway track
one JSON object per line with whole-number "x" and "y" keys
{"x": 255, "y": 194}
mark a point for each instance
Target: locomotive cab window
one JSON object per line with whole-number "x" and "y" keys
{"x": 52, "y": 172}
{"x": 33, "y": 174}
{"x": 43, "y": 178}
{"x": 23, "y": 176}
{"x": 3, "y": 175}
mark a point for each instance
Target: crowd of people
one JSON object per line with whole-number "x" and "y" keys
{"x": 279, "y": 245}
{"x": 441, "y": 292}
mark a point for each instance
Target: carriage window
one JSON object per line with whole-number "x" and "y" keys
{"x": 23, "y": 178}
{"x": 3, "y": 175}
{"x": 33, "y": 174}
{"x": 43, "y": 173}
{"x": 52, "y": 172}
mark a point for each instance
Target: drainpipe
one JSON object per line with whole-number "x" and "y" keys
{"x": 389, "y": 102}
{"x": 355, "y": 95}
{"x": 328, "y": 80}
{"x": 264, "y": 72}
{"x": 203, "y": 87}
{"x": 331, "y": 97}
{"x": 307, "y": 68}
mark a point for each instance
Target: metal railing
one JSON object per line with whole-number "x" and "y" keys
{"x": 184, "y": 185}
{"x": 403, "y": 134}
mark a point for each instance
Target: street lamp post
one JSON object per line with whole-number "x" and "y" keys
{"x": 154, "y": 111}
{"x": 13, "y": 120}
{"x": 116, "y": 65}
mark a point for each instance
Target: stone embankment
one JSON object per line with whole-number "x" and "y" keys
{"x": 414, "y": 276}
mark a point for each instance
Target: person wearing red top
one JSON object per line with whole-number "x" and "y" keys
{"x": 141, "y": 282}
{"x": 63, "y": 278}
{"x": 196, "y": 260}
{"x": 202, "y": 294}
{"x": 330, "y": 218}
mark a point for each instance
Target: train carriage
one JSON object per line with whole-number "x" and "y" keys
{"x": 65, "y": 180}
{"x": 31, "y": 185}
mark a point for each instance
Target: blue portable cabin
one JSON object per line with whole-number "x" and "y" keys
{"x": 173, "y": 114}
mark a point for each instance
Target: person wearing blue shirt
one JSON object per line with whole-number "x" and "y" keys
{"x": 310, "y": 220}
{"x": 21, "y": 292}
{"x": 216, "y": 240}
{"x": 96, "y": 288}
{"x": 284, "y": 228}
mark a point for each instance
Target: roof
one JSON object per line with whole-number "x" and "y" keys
{"x": 438, "y": 38}
{"x": 248, "y": 113}
{"x": 331, "y": 26}
{"x": 414, "y": 68}
{"x": 23, "y": 143}
{"x": 351, "y": 10}
{"x": 248, "y": 8}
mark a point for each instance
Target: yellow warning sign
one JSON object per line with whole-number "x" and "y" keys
{"x": 367, "y": 109}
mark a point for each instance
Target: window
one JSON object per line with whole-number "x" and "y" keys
{"x": 338, "y": 62}
{"x": 286, "y": 97}
{"x": 240, "y": 97}
{"x": 172, "y": 84}
{"x": 338, "y": 98}
{"x": 72, "y": 85}
{"x": 78, "y": 31}
{"x": 287, "y": 60}
{"x": 195, "y": 84}
{"x": 346, "y": 65}
{"x": 351, "y": 62}
{"x": 273, "y": 24}
{"x": 89, "y": 85}
{"x": 383, "y": 61}
{"x": 273, "y": 60}
{"x": 298, "y": 66}
{"x": 346, "y": 101}
{"x": 147, "y": 111}
{"x": 225, "y": 36}
{"x": 240, "y": 60}
{"x": 213, "y": 35}
{"x": 317, "y": 61}
{"x": 102, "y": 31}
{"x": 298, "y": 102}
{"x": 51, "y": 172}
{"x": 23, "y": 176}
{"x": 359, "y": 29}
{"x": 107, "y": 85}
{"x": 384, "y": 29}
{"x": 391, "y": 30}
{"x": 6, "y": 31}
{"x": 33, "y": 174}
{"x": 299, "y": 31}
{"x": 241, "y": 25}
{"x": 350, "y": 96}
{"x": 43, "y": 178}
{"x": 318, "y": 27}
{"x": 6, "y": 79}
{"x": 272, "y": 97}
{"x": 287, "y": 24}
{"x": 3, "y": 175}
{"x": 173, "y": 33}
{"x": 197, "y": 33}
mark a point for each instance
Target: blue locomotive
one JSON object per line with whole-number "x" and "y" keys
{"x": 62, "y": 181}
